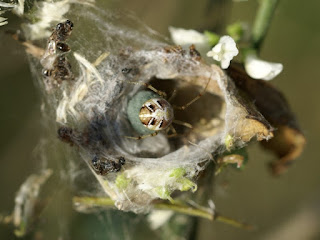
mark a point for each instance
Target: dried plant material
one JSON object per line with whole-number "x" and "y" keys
{"x": 288, "y": 145}
{"x": 3, "y": 21}
{"x": 289, "y": 140}
{"x": 30, "y": 48}
{"x": 7, "y": 5}
{"x": 27, "y": 201}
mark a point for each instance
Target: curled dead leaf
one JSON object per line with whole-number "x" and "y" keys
{"x": 288, "y": 141}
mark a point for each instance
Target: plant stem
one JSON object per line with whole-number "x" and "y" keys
{"x": 233, "y": 222}
{"x": 262, "y": 22}
{"x": 93, "y": 201}
{"x": 176, "y": 207}
{"x": 180, "y": 208}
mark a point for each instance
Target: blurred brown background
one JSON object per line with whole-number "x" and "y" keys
{"x": 282, "y": 208}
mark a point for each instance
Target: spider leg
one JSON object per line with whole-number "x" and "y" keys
{"x": 172, "y": 95}
{"x": 193, "y": 100}
{"x": 144, "y": 136}
{"x": 173, "y": 130}
{"x": 148, "y": 85}
{"x": 188, "y": 125}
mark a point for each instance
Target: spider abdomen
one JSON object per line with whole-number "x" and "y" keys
{"x": 156, "y": 114}
{"x": 149, "y": 113}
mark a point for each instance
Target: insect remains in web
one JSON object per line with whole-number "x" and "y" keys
{"x": 56, "y": 65}
{"x": 150, "y": 112}
{"x": 103, "y": 167}
{"x": 101, "y": 164}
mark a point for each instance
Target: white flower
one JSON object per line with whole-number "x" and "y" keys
{"x": 224, "y": 51}
{"x": 186, "y": 37}
{"x": 7, "y": 5}
{"x": 259, "y": 69}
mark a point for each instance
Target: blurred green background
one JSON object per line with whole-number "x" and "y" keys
{"x": 282, "y": 208}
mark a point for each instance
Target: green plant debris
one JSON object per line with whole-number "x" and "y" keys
{"x": 164, "y": 193}
{"x": 178, "y": 173}
{"x": 21, "y": 231}
{"x": 228, "y": 142}
{"x": 122, "y": 182}
{"x": 236, "y": 158}
{"x": 213, "y": 38}
{"x": 186, "y": 184}
{"x": 236, "y": 31}
{"x": 245, "y": 157}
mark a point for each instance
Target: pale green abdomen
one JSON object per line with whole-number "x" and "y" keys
{"x": 134, "y": 107}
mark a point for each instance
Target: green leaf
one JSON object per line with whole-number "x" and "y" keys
{"x": 213, "y": 38}
{"x": 236, "y": 31}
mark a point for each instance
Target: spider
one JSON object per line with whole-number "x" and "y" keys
{"x": 149, "y": 112}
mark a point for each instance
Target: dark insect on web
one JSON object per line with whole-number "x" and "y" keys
{"x": 100, "y": 165}
{"x": 66, "y": 134}
{"x": 62, "y": 31}
{"x": 106, "y": 166}
{"x": 58, "y": 70}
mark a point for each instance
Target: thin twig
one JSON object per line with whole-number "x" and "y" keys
{"x": 174, "y": 206}
{"x": 180, "y": 208}
{"x": 233, "y": 222}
